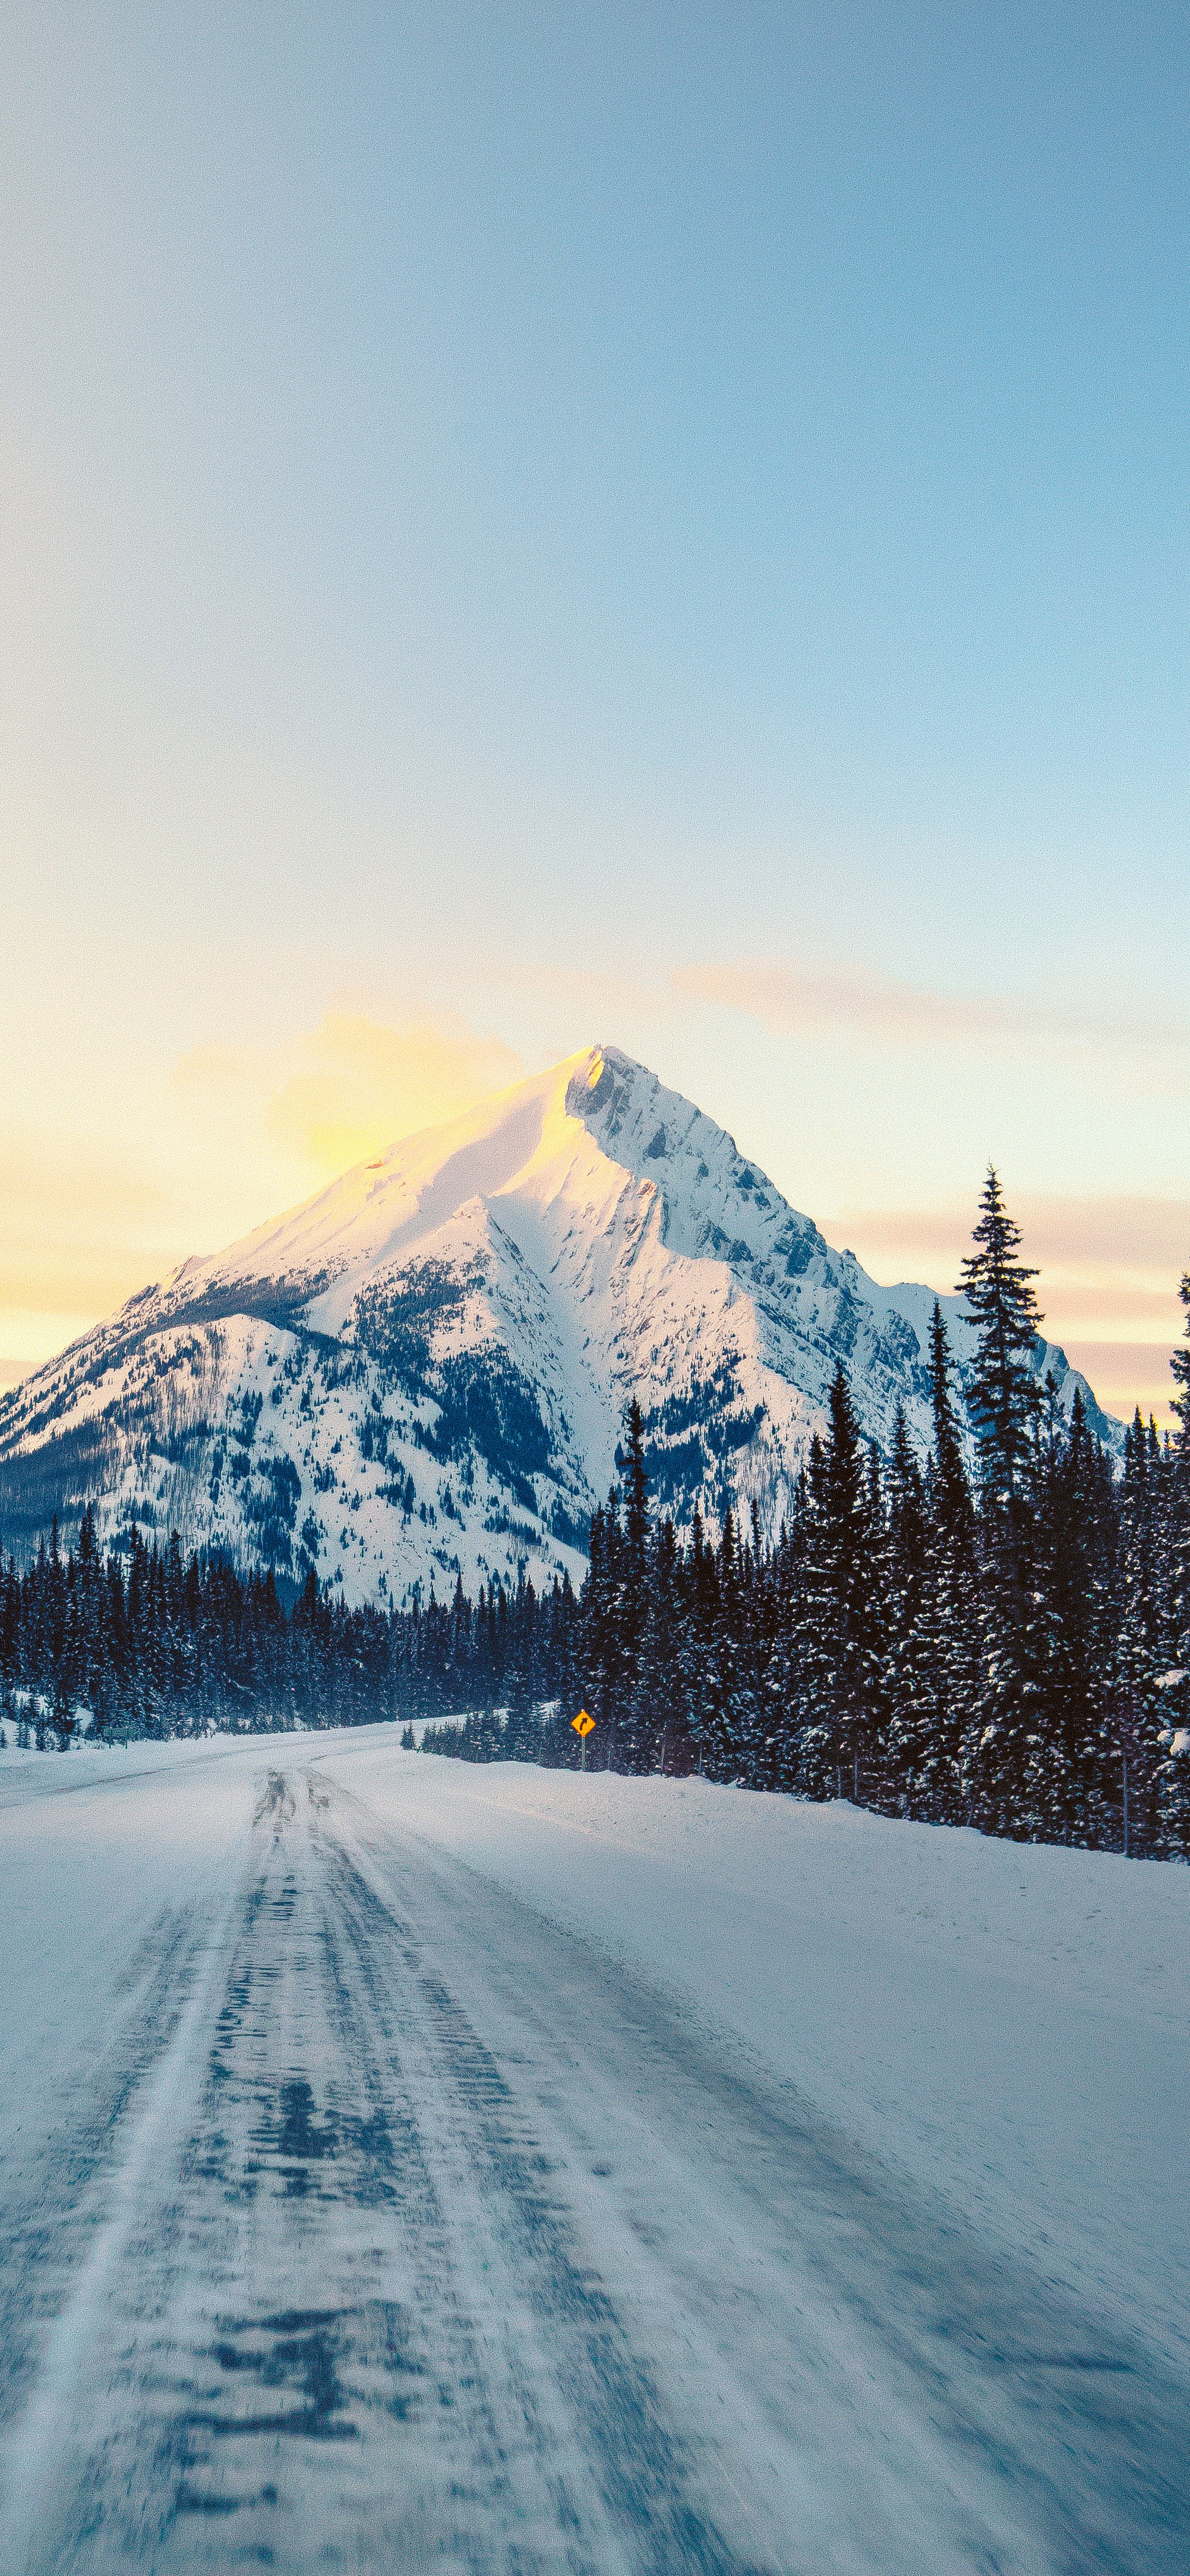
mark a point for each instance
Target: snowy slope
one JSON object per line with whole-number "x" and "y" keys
{"x": 424, "y": 1370}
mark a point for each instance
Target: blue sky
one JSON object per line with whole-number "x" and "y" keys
{"x": 661, "y": 523}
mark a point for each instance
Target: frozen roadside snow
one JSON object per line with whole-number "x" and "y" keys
{"x": 1109, "y": 1930}
{"x": 1009, "y": 2021}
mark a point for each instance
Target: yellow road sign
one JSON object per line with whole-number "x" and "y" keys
{"x": 583, "y": 1724}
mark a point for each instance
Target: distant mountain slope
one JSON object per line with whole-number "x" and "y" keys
{"x": 425, "y": 1369}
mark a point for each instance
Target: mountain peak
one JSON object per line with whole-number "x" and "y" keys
{"x": 423, "y": 1371}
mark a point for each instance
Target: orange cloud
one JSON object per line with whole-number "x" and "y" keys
{"x": 349, "y": 1087}
{"x": 245, "y": 1129}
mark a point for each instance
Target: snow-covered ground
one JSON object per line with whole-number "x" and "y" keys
{"x": 1010, "y": 2019}
{"x": 408, "y": 2163}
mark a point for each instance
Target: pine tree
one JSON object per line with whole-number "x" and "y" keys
{"x": 949, "y": 1471}
{"x": 839, "y": 1665}
{"x": 697, "y": 1651}
{"x": 720, "y": 1715}
{"x": 1180, "y": 1369}
{"x": 908, "y": 1652}
{"x": 1071, "y": 1631}
{"x": 1174, "y": 1782}
{"x": 1002, "y": 1392}
{"x": 954, "y": 1645}
{"x": 1179, "y": 1535}
{"x": 1005, "y": 1404}
{"x": 636, "y": 1730}
{"x": 657, "y": 1731}
{"x": 1131, "y": 1751}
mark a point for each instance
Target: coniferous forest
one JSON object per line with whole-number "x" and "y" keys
{"x": 995, "y": 1634}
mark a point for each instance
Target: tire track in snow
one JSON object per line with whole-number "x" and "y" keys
{"x": 994, "y": 2422}
{"x": 585, "y": 2405}
{"x": 435, "y": 2238}
{"x": 42, "y": 2434}
{"x": 290, "y": 2346}
{"x": 52, "y": 2196}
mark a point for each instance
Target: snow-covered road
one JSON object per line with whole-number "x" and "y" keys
{"x": 360, "y": 2215}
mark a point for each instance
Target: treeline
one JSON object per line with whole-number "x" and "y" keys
{"x": 147, "y": 1643}
{"x": 996, "y": 1633}
{"x": 1008, "y": 1650}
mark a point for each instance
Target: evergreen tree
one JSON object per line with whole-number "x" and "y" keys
{"x": 954, "y": 1643}
{"x": 1174, "y": 1780}
{"x": 1002, "y": 1393}
{"x": 1179, "y": 1514}
{"x": 1005, "y": 1404}
{"x": 1180, "y": 1368}
{"x": 1071, "y": 1631}
{"x": 636, "y": 1734}
{"x": 1131, "y": 1750}
{"x": 840, "y": 1673}
{"x": 909, "y": 1652}
{"x": 659, "y": 1735}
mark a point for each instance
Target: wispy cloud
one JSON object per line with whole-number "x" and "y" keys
{"x": 344, "y": 1089}
{"x": 801, "y": 1001}
{"x": 1125, "y": 1375}
{"x": 1141, "y": 1238}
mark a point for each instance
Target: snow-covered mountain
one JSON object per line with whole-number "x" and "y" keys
{"x": 425, "y": 1369}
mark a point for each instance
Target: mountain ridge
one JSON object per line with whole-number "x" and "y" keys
{"x": 421, "y": 1372}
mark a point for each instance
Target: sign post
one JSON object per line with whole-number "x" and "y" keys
{"x": 584, "y": 1725}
